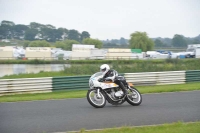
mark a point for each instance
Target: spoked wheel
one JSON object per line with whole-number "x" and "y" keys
{"x": 134, "y": 97}
{"x": 95, "y": 100}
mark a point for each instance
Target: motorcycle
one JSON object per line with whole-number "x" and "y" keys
{"x": 100, "y": 92}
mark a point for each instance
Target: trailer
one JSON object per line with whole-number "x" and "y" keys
{"x": 191, "y": 50}
{"x": 197, "y": 53}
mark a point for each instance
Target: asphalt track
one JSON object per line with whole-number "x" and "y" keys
{"x": 75, "y": 114}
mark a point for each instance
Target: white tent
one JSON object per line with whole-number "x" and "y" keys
{"x": 58, "y": 52}
{"x": 18, "y": 52}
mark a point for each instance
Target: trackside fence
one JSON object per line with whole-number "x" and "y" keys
{"x": 156, "y": 78}
{"x": 49, "y": 84}
{"x": 25, "y": 85}
{"x": 192, "y": 76}
{"x": 70, "y": 83}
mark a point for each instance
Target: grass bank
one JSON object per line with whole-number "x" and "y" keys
{"x": 178, "y": 127}
{"x": 128, "y": 61}
{"x": 82, "y": 93}
{"x": 122, "y": 66}
{"x": 37, "y": 75}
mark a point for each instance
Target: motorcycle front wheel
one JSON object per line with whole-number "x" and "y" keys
{"x": 134, "y": 97}
{"x": 95, "y": 100}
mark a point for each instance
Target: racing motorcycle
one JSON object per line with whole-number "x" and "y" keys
{"x": 100, "y": 92}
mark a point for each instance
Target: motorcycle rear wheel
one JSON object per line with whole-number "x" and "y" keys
{"x": 134, "y": 97}
{"x": 95, "y": 100}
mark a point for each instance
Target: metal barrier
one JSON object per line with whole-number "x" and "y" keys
{"x": 156, "y": 78}
{"x": 70, "y": 82}
{"x": 193, "y": 76}
{"x": 26, "y": 85}
{"x": 50, "y": 84}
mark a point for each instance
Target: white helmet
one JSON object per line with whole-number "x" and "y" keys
{"x": 104, "y": 68}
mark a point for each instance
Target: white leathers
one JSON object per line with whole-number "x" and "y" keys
{"x": 107, "y": 73}
{"x": 112, "y": 75}
{"x": 93, "y": 82}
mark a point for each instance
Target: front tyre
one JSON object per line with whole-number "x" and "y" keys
{"x": 134, "y": 97}
{"x": 95, "y": 100}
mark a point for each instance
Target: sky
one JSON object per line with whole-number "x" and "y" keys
{"x": 109, "y": 19}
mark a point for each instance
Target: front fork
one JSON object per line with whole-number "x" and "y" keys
{"x": 98, "y": 94}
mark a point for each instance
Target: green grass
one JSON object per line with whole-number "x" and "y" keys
{"x": 169, "y": 88}
{"x": 79, "y": 68}
{"x": 44, "y": 96}
{"x": 36, "y": 75}
{"x": 82, "y": 93}
{"x": 178, "y": 127}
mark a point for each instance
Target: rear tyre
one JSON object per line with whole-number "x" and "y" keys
{"x": 95, "y": 100}
{"x": 134, "y": 97}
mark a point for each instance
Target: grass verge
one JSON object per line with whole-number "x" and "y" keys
{"x": 89, "y": 67}
{"x": 82, "y": 93}
{"x": 178, "y": 127}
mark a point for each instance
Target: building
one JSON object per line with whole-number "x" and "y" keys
{"x": 81, "y": 51}
{"x": 98, "y": 53}
{"x": 119, "y": 54}
{"x": 6, "y": 52}
{"x": 42, "y": 53}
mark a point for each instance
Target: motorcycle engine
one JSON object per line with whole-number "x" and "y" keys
{"x": 118, "y": 94}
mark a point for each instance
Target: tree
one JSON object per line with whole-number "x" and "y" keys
{"x": 5, "y": 22}
{"x": 196, "y": 41}
{"x": 84, "y": 35}
{"x": 35, "y": 25}
{"x": 6, "y": 29}
{"x": 35, "y": 31}
{"x": 61, "y": 44}
{"x": 158, "y": 43}
{"x": 3, "y": 32}
{"x": 39, "y": 44}
{"x": 109, "y": 45}
{"x": 179, "y": 41}
{"x": 30, "y": 34}
{"x": 50, "y": 26}
{"x": 62, "y": 33}
{"x": 90, "y": 41}
{"x": 122, "y": 41}
{"x": 140, "y": 40}
{"x": 69, "y": 44}
{"x": 19, "y": 30}
{"x": 115, "y": 41}
{"x": 66, "y": 45}
{"x": 49, "y": 34}
{"x": 26, "y": 43}
{"x": 74, "y": 35}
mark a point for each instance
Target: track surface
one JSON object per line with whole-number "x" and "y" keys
{"x": 75, "y": 114}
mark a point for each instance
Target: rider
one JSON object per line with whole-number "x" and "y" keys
{"x": 110, "y": 75}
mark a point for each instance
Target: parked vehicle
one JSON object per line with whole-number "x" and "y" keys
{"x": 191, "y": 50}
{"x": 157, "y": 55}
{"x": 100, "y": 92}
{"x": 197, "y": 53}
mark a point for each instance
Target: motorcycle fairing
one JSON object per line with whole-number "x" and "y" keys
{"x": 105, "y": 85}
{"x": 130, "y": 84}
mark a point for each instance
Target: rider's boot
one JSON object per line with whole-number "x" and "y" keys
{"x": 123, "y": 89}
